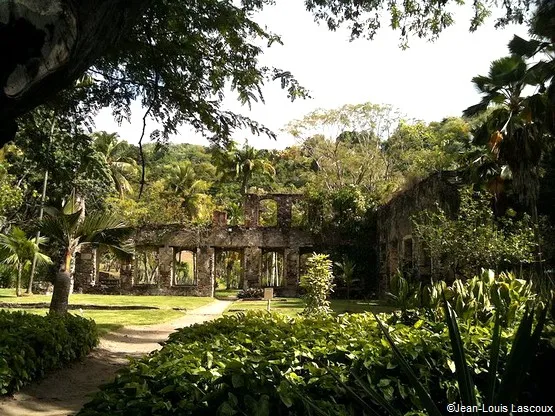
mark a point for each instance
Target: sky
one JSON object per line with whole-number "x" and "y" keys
{"x": 429, "y": 81}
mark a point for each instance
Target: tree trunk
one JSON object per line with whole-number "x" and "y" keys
{"x": 45, "y": 46}
{"x": 41, "y": 214}
{"x": 62, "y": 286}
{"x": 18, "y": 282}
{"x": 245, "y": 185}
{"x": 60, "y": 296}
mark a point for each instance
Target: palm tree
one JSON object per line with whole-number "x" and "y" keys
{"x": 182, "y": 182}
{"x": 513, "y": 131}
{"x": 20, "y": 251}
{"x": 120, "y": 166}
{"x": 242, "y": 164}
{"x": 68, "y": 231}
{"x": 542, "y": 44}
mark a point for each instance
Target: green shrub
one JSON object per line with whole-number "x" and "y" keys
{"x": 31, "y": 345}
{"x": 475, "y": 238}
{"x": 473, "y": 299}
{"x": 251, "y": 293}
{"x": 317, "y": 284}
{"x": 261, "y": 364}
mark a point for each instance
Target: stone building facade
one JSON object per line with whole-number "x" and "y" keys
{"x": 251, "y": 240}
{"x": 398, "y": 248}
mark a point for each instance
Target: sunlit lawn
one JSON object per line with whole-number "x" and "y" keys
{"x": 107, "y": 321}
{"x": 183, "y": 302}
{"x": 293, "y": 306}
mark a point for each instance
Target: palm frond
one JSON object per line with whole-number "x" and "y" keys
{"x": 476, "y": 109}
{"x": 523, "y": 47}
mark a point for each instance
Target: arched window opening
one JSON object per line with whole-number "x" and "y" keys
{"x": 298, "y": 214}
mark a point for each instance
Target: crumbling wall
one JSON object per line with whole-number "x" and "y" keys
{"x": 251, "y": 239}
{"x": 395, "y": 228}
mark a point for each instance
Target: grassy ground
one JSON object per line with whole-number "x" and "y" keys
{"x": 8, "y": 296}
{"x": 293, "y": 306}
{"x": 107, "y": 321}
{"x": 227, "y": 293}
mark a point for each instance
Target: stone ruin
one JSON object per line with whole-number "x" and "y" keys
{"x": 397, "y": 247}
{"x": 156, "y": 267}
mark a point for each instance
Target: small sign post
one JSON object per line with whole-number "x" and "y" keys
{"x": 268, "y": 295}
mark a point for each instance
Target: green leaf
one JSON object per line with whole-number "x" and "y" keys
{"x": 423, "y": 395}
{"x": 464, "y": 378}
{"x": 237, "y": 380}
{"x": 493, "y": 361}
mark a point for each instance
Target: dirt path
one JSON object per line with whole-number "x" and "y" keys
{"x": 64, "y": 392}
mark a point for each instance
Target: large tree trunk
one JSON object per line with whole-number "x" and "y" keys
{"x": 62, "y": 285}
{"x": 46, "y": 45}
{"x": 60, "y": 296}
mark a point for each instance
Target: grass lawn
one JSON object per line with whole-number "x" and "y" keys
{"x": 107, "y": 321}
{"x": 293, "y": 306}
{"x": 227, "y": 293}
{"x": 184, "y": 302}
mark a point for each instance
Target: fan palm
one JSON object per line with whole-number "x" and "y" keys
{"x": 542, "y": 44}
{"x": 120, "y": 167}
{"x": 513, "y": 130}
{"x": 18, "y": 250}
{"x": 68, "y": 231}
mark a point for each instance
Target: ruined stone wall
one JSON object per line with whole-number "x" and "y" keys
{"x": 249, "y": 239}
{"x": 397, "y": 248}
{"x": 284, "y": 205}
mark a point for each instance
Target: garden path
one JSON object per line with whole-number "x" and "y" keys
{"x": 64, "y": 392}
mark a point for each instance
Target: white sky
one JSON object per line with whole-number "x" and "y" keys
{"x": 429, "y": 81}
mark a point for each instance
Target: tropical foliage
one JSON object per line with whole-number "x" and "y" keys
{"x": 474, "y": 237}
{"x": 269, "y": 364}
{"x": 483, "y": 298}
{"x": 18, "y": 250}
{"x": 317, "y": 284}
{"x": 33, "y": 345}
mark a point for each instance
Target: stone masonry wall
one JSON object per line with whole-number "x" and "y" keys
{"x": 251, "y": 239}
{"x": 395, "y": 228}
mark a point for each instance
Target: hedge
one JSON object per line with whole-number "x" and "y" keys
{"x": 31, "y": 345}
{"x": 262, "y": 364}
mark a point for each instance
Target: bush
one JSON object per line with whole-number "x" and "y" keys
{"x": 252, "y": 363}
{"x": 31, "y": 345}
{"x": 317, "y": 284}
{"x": 251, "y": 293}
{"x": 475, "y": 238}
{"x": 473, "y": 299}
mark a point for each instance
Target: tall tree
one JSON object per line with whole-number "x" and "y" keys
{"x": 182, "y": 181}
{"x": 189, "y": 48}
{"x": 513, "y": 131}
{"x": 418, "y": 149}
{"x": 345, "y": 146}
{"x": 241, "y": 164}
